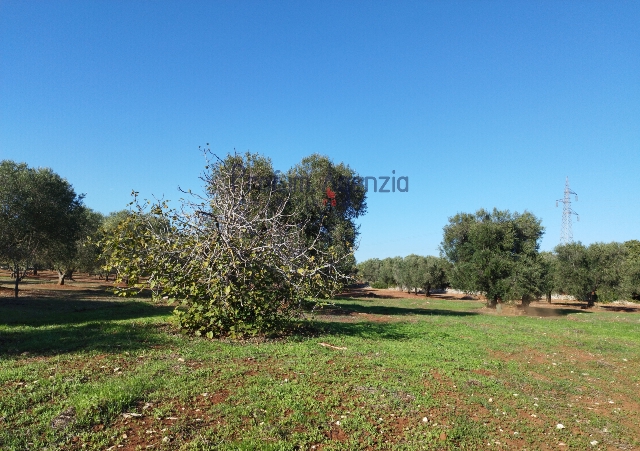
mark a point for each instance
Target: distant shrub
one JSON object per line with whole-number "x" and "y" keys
{"x": 379, "y": 285}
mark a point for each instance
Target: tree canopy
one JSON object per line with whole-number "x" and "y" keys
{"x": 40, "y": 214}
{"x": 593, "y": 272}
{"x": 326, "y": 198}
{"x": 494, "y": 253}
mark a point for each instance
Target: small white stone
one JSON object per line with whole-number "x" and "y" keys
{"x": 559, "y": 426}
{"x": 593, "y": 442}
{"x": 490, "y": 399}
{"x": 337, "y": 423}
{"x": 425, "y": 419}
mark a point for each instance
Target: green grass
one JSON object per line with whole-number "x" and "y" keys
{"x": 481, "y": 380}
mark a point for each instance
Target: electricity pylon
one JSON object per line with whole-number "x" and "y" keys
{"x": 566, "y": 236}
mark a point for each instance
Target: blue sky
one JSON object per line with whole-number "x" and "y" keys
{"x": 480, "y": 103}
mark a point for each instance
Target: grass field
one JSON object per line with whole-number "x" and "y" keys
{"x": 80, "y": 369}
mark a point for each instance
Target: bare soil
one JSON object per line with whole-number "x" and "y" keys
{"x": 535, "y": 308}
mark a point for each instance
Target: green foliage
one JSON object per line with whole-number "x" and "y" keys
{"x": 631, "y": 270}
{"x": 379, "y": 285}
{"x": 494, "y": 253}
{"x": 368, "y": 270}
{"x": 434, "y": 273}
{"x": 89, "y": 255}
{"x": 379, "y": 273}
{"x": 590, "y": 273}
{"x": 548, "y": 283}
{"x": 326, "y": 198}
{"x": 236, "y": 262}
{"x": 40, "y": 216}
{"x": 83, "y": 254}
{"x": 413, "y": 272}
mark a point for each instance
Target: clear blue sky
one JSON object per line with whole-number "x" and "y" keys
{"x": 480, "y": 103}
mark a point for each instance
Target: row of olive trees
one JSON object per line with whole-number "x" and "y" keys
{"x": 601, "y": 271}
{"x": 497, "y": 255}
{"x": 413, "y": 272}
{"x": 44, "y": 224}
{"x": 42, "y": 219}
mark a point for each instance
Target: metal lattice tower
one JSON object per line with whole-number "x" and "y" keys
{"x": 566, "y": 236}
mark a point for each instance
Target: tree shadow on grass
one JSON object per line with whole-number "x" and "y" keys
{"x": 548, "y": 312}
{"x": 52, "y": 326}
{"x": 95, "y": 336}
{"x": 36, "y": 312}
{"x": 369, "y": 330}
{"x": 350, "y": 309}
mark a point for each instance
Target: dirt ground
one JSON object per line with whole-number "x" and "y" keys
{"x": 46, "y": 283}
{"x": 536, "y": 308}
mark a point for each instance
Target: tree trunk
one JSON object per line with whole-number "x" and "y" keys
{"x": 16, "y": 272}
{"x": 61, "y": 276}
{"x": 427, "y": 290}
{"x": 549, "y": 297}
{"x": 491, "y": 303}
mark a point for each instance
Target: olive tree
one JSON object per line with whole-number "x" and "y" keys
{"x": 548, "y": 274}
{"x": 387, "y": 273}
{"x": 434, "y": 273}
{"x": 631, "y": 270}
{"x": 368, "y": 270}
{"x": 590, "y": 273}
{"x": 407, "y": 272}
{"x": 494, "y": 253}
{"x": 237, "y": 259}
{"x": 326, "y": 198}
{"x": 40, "y": 213}
{"x": 81, "y": 255}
